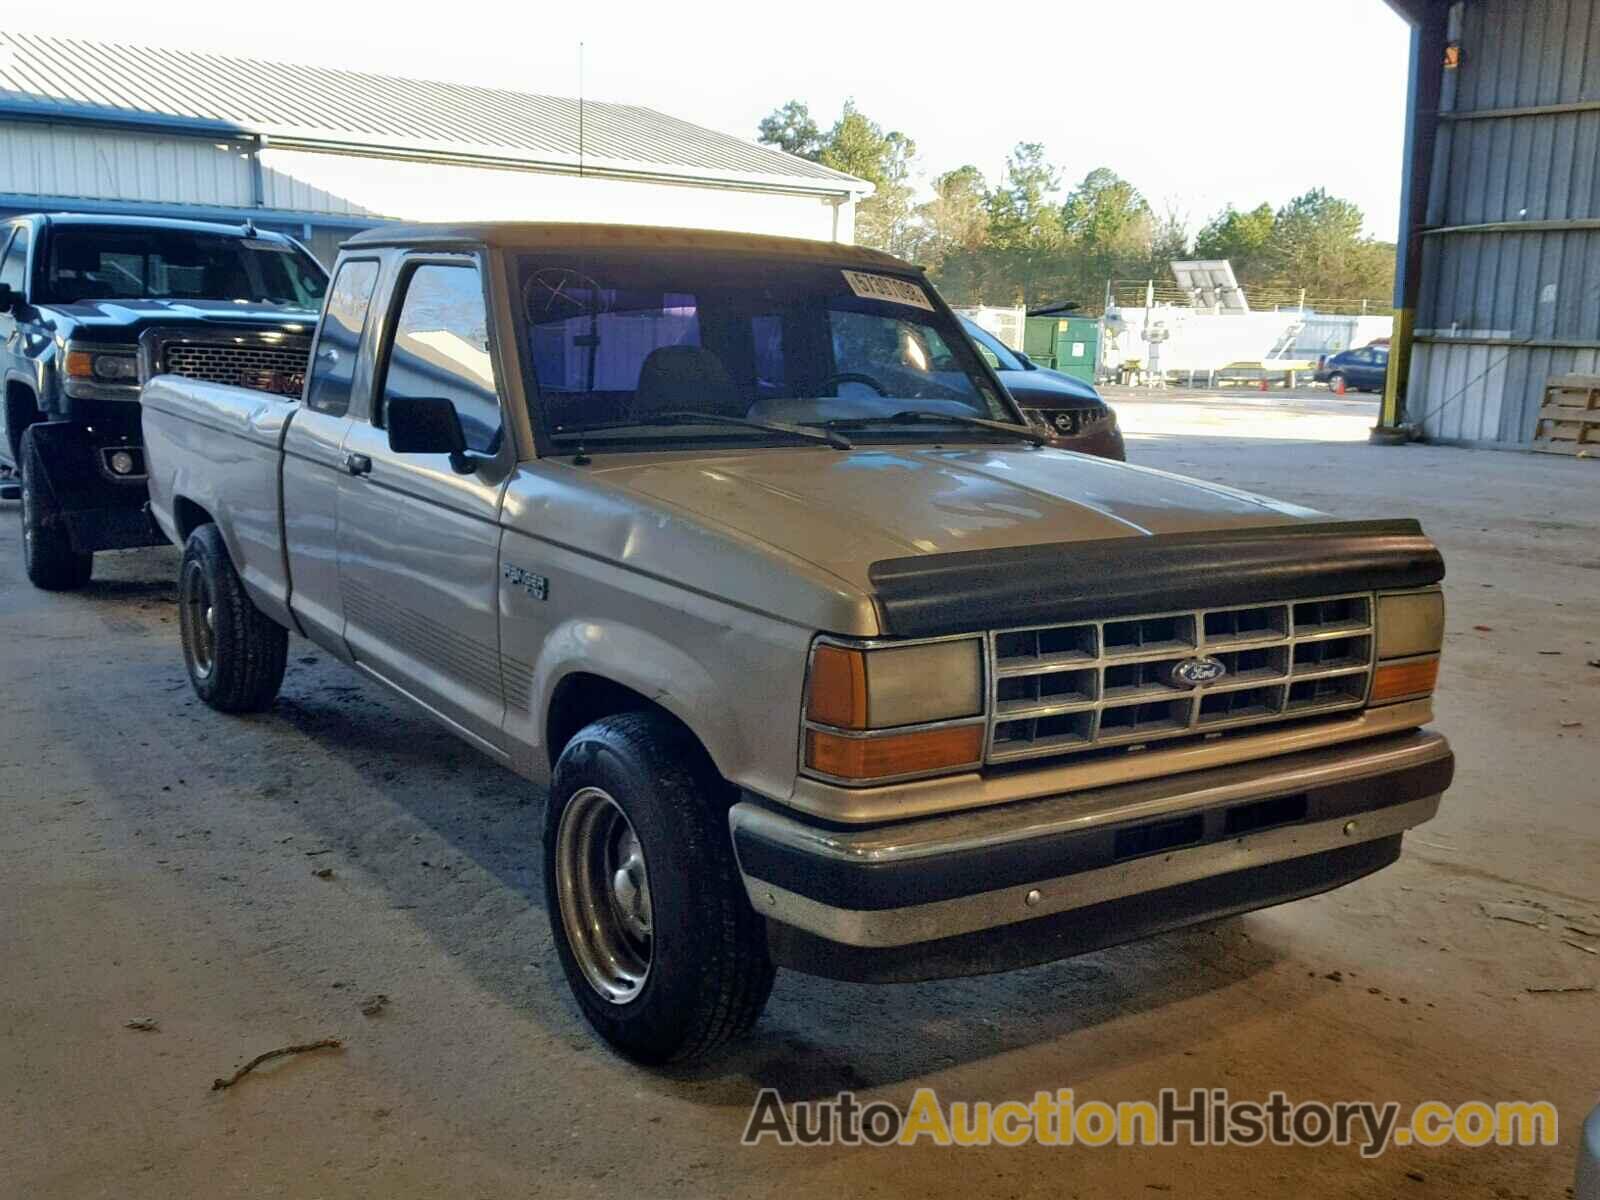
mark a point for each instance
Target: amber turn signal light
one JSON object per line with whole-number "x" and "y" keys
{"x": 1397, "y": 680}
{"x": 893, "y": 754}
{"x": 838, "y": 687}
{"x": 80, "y": 364}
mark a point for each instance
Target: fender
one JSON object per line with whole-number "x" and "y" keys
{"x": 10, "y": 450}
{"x": 647, "y": 664}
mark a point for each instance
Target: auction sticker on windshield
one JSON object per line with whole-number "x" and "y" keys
{"x": 887, "y": 287}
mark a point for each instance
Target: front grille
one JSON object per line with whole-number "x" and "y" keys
{"x": 279, "y": 368}
{"x": 1062, "y": 689}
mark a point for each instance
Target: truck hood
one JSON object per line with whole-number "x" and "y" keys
{"x": 844, "y": 510}
{"x": 125, "y": 320}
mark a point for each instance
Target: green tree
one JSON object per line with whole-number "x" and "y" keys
{"x": 956, "y": 218}
{"x": 857, "y": 145}
{"x": 792, "y": 130}
{"x": 1246, "y": 239}
{"x": 1313, "y": 235}
{"x": 1107, "y": 217}
{"x": 1313, "y": 242}
{"x": 1114, "y": 233}
{"x": 1027, "y": 240}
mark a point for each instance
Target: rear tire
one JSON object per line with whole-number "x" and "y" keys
{"x": 659, "y": 943}
{"x": 235, "y": 656}
{"x": 1335, "y": 380}
{"x": 47, "y": 554}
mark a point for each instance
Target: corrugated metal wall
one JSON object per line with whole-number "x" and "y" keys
{"x": 50, "y": 159}
{"x": 40, "y": 158}
{"x": 1510, "y": 285}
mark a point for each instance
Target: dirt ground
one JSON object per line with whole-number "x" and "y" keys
{"x": 158, "y": 860}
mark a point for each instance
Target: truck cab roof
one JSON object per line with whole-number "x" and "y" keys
{"x": 177, "y": 224}
{"x": 518, "y": 235}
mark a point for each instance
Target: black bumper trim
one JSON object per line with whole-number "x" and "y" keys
{"x": 101, "y": 512}
{"x": 876, "y": 886}
{"x": 934, "y": 594}
{"x": 1082, "y": 930}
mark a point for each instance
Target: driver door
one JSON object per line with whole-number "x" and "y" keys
{"x": 419, "y": 544}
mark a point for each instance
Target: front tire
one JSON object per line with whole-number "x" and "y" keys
{"x": 659, "y": 943}
{"x": 234, "y": 654}
{"x": 47, "y": 554}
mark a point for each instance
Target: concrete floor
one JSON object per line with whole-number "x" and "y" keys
{"x": 156, "y": 860}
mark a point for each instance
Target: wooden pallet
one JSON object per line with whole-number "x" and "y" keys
{"x": 1569, "y": 421}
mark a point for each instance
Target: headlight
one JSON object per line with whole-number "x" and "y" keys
{"x": 103, "y": 366}
{"x": 1410, "y": 635}
{"x": 887, "y": 712}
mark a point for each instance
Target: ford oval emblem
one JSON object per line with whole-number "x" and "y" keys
{"x": 1192, "y": 672}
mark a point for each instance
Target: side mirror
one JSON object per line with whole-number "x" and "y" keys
{"x": 428, "y": 425}
{"x": 10, "y": 300}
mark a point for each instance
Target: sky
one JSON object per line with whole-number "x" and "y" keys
{"x": 1198, "y": 104}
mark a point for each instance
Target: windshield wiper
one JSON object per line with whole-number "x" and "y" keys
{"x": 836, "y": 440}
{"x": 914, "y": 416}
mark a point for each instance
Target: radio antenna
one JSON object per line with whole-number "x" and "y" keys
{"x": 580, "y": 110}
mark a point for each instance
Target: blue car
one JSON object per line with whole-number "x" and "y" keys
{"x": 1362, "y": 370}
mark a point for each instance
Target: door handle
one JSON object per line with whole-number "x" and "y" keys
{"x": 357, "y": 464}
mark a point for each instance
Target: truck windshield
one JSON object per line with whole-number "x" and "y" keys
{"x": 88, "y": 262}
{"x": 622, "y": 346}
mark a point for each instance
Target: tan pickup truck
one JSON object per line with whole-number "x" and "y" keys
{"x": 738, "y": 547}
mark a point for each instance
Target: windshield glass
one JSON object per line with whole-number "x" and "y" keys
{"x": 89, "y": 262}
{"x": 624, "y": 346}
{"x": 1000, "y": 356}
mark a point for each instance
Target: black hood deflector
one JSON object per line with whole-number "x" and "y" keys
{"x": 933, "y": 594}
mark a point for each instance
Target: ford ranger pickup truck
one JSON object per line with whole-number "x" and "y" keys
{"x": 91, "y": 305}
{"x": 738, "y": 547}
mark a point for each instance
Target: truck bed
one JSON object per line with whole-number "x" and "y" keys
{"x": 203, "y": 438}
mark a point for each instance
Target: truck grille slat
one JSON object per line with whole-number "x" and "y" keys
{"x": 1086, "y": 684}
{"x": 276, "y": 368}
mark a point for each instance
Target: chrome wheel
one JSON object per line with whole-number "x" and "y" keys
{"x": 604, "y": 891}
{"x": 199, "y": 614}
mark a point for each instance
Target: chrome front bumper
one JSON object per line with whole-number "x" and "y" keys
{"x": 1120, "y": 857}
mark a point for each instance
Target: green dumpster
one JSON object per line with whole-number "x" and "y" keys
{"x": 1066, "y": 344}
{"x": 1039, "y": 340}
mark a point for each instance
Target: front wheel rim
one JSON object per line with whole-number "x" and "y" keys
{"x": 603, "y": 886}
{"x": 200, "y": 620}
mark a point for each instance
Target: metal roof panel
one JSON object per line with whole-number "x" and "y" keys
{"x": 74, "y": 79}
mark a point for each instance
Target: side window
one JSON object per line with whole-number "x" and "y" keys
{"x": 14, "y": 267}
{"x": 441, "y": 348}
{"x": 340, "y": 338}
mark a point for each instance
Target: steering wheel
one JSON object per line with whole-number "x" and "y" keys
{"x": 854, "y": 377}
{"x": 560, "y": 292}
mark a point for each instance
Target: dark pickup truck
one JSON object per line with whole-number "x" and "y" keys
{"x": 90, "y": 307}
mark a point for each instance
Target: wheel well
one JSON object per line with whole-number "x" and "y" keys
{"x": 581, "y": 698}
{"x": 188, "y": 516}
{"x": 22, "y": 410}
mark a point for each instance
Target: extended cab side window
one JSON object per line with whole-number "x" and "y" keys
{"x": 14, "y": 267}
{"x": 441, "y": 348}
{"x": 334, "y": 366}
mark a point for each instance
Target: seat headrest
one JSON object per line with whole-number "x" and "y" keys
{"x": 690, "y": 378}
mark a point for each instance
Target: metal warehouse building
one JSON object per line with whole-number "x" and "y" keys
{"x": 320, "y": 153}
{"x": 1499, "y": 280}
